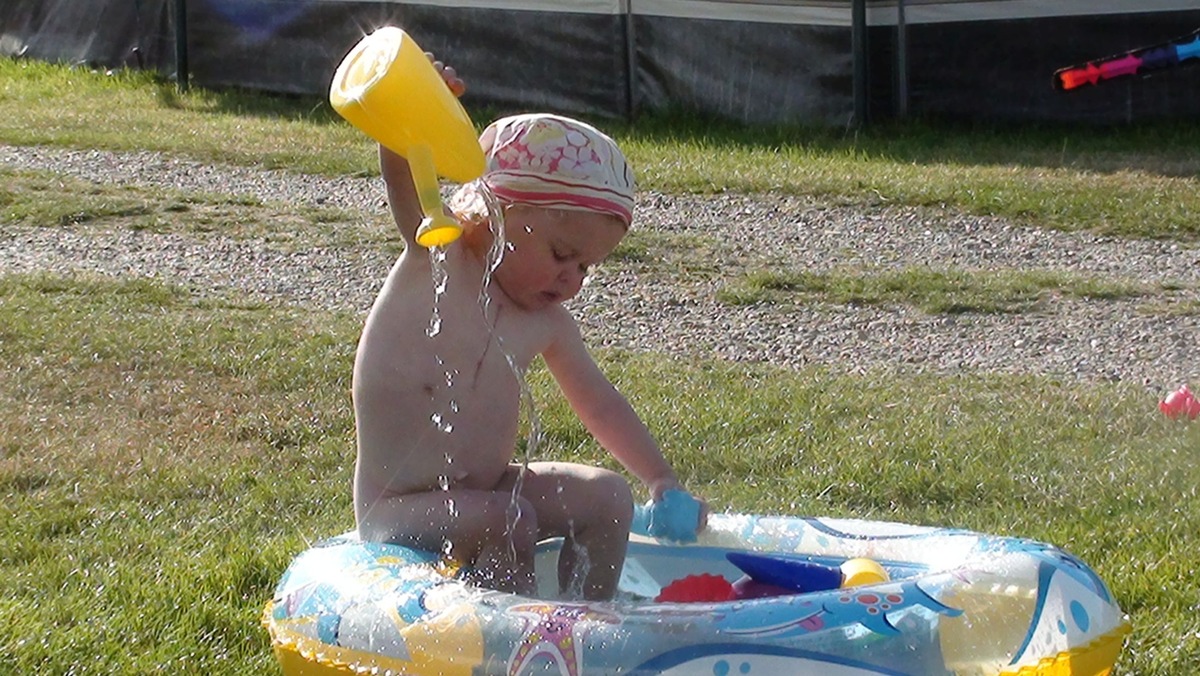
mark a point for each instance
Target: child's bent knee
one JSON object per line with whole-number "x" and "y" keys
{"x": 518, "y": 524}
{"x": 614, "y": 492}
{"x": 608, "y": 502}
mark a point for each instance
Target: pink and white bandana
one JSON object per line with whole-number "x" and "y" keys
{"x": 550, "y": 161}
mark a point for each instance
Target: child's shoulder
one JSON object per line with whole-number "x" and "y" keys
{"x": 561, "y": 326}
{"x": 447, "y": 258}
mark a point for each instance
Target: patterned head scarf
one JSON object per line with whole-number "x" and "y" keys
{"x": 550, "y": 161}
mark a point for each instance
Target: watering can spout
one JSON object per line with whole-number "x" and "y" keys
{"x": 388, "y": 89}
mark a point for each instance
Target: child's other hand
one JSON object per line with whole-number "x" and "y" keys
{"x": 449, "y": 75}
{"x": 662, "y": 485}
{"x": 677, "y": 515}
{"x": 671, "y": 483}
{"x": 703, "y": 513}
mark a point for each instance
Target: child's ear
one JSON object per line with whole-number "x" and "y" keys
{"x": 487, "y": 139}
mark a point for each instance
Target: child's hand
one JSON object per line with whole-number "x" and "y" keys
{"x": 449, "y": 75}
{"x": 703, "y": 519}
{"x": 671, "y": 483}
{"x": 677, "y": 516}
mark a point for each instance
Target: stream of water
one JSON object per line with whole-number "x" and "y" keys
{"x": 440, "y": 420}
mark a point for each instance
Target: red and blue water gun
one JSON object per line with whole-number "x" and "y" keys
{"x": 1141, "y": 61}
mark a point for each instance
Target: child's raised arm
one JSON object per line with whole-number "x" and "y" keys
{"x": 401, "y": 193}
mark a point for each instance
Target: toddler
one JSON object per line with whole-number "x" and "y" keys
{"x": 436, "y": 397}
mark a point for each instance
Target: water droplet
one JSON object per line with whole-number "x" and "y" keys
{"x": 441, "y": 423}
{"x": 444, "y": 482}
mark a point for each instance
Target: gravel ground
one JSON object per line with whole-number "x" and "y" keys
{"x": 1072, "y": 338}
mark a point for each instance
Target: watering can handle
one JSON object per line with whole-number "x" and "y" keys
{"x": 436, "y": 229}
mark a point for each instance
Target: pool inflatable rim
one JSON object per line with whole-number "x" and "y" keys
{"x": 304, "y": 654}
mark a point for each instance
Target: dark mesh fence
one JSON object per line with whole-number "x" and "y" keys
{"x": 748, "y": 60}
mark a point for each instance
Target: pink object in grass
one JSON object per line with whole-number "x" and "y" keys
{"x": 1180, "y": 403}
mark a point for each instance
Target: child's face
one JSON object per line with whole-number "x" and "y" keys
{"x": 549, "y": 252}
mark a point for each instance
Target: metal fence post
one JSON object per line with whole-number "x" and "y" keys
{"x": 181, "y": 50}
{"x": 630, "y": 63}
{"x": 901, "y": 61}
{"x": 858, "y": 47}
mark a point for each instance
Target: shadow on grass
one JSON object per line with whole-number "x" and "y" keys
{"x": 238, "y": 101}
{"x": 1155, "y": 148}
{"x": 1104, "y": 149}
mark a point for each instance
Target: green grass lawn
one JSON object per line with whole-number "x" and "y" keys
{"x": 164, "y": 455}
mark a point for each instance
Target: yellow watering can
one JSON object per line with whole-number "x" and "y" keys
{"x": 387, "y": 88}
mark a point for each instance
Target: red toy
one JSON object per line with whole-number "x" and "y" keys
{"x": 702, "y": 588}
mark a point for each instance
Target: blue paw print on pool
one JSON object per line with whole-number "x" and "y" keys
{"x": 1079, "y": 616}
{"x": 722, "y": 668}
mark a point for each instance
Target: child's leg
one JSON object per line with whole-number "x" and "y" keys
{"x": 592, "y": 509}
{"x": 475, "y": 524}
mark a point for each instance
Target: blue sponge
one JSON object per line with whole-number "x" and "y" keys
{"x": 675, "y": 516}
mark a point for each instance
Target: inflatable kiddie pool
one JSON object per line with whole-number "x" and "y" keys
{"x": 957, "y": 602}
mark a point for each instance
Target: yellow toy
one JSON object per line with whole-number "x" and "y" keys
{"x": 388, "y": 89}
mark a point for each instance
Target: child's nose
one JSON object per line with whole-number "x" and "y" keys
{"x": 571, "y": 278}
